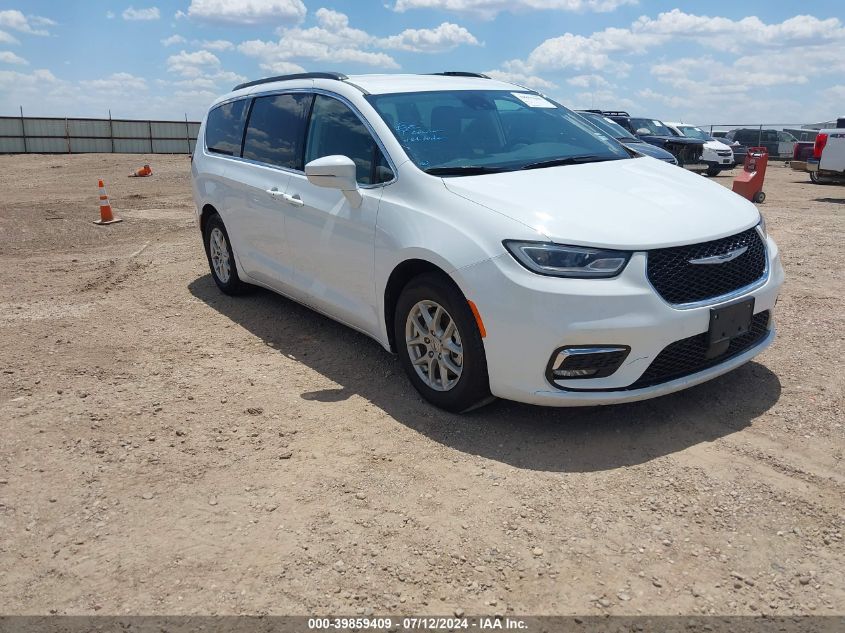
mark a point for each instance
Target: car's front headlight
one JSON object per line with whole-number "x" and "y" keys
{"x": 557, "y": 260}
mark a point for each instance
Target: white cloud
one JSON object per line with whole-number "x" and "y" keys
{"x": 283, "y": 68}
{"x": 603, "y": 50}
{"x": 6, "y": 38}
{"x": 529, "y": 81}
{"x": 199, "y": 72}
{"x": 14, "y": 19}
{"x": 248, "y": 12}
{"x": 588, "y": 81}
{"x": 332, "y": 40}
{"x": 193, "y": 64}
{"x": 151, "y": 13}
{"x": 8, "y": 57}
{"x": 173, "y": 39}
{"x": 215, "y": 45}
{"x": 488, "y": 9}
{"x": 116, "y": 83}
{"x": 744, "y": 34}
{"x": 445, "y": 37}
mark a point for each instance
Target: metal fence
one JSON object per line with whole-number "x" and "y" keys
{"x": 54, "y": 135}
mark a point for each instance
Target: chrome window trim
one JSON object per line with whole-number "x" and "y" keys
{"x": 314, "y": 91}
{"x": 692, "y": 305}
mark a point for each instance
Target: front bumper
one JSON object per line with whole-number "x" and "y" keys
{"x": 528, "y": 316}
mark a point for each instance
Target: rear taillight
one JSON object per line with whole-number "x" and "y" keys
{"x": 821, "y": 141}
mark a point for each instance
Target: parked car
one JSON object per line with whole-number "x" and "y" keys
{"x": 622, "y": 135}
{"x": 801, "y": 152}
{"x": 828, "y": 160}
{"x": 493, "y": 239}
{"x": 688, "y": 151}
{"x": 717, "y": 155}
{"x": 739, "y": 151}
{"x": 776, "y": 142}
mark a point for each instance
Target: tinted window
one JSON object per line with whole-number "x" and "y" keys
{"x": 608, "y": 126}
{"x": 335, "y": 129}
{"x": 276, "y": 130}
{"x": 224, "y": 128}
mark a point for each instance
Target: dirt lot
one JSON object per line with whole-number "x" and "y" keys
{"x": 166, "y": 449}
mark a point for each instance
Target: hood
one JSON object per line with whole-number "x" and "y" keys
{"x": 677, "y": 140}
{"x": 716, "y": 145}
{"x": 633, "y": 204}
{"x": 639, "y": 145}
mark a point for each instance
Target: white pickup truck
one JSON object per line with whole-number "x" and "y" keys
{"x": 828, "y": 160}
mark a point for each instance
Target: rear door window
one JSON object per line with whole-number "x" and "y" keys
{"x": 335, "y": 129}
{"x": 224, "y": 128}
{"x": 276, "y": 130}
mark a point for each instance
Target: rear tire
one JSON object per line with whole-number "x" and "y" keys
{"x": 221, "y": 258}
{"x": 447, "y": 363}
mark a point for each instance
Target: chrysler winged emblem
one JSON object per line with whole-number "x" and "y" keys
{"x": 720, "y": 259}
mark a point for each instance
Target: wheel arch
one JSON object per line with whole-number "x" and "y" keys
{"x": 207, "y": 211}
{"x": 399, "y": 277}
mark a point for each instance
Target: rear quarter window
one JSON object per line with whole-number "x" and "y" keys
{"x": 224, "y": 128}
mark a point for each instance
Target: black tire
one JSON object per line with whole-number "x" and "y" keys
{"x": 713, "y": 170}
{"x": 760, "y": 197}
{"x": 473, "y": 386}
{"x": 233, "y": 285}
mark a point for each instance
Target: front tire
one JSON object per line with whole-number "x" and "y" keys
{"x": 221, "y": 258}
{"x": 439, "y": 344}
{"x": 713, "y": 170}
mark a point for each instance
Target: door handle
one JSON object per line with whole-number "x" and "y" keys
{"x": 275, "y": 193}
{"x": 295, "y": 200}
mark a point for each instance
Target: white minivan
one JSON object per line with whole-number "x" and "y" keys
{"x": 496, "y": 241}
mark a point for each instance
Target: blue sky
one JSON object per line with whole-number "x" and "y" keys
{"x": 714, "y": 62}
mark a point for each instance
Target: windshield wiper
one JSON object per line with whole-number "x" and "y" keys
{"x": 569, "y": 160}
{"x": 463, "y": 170}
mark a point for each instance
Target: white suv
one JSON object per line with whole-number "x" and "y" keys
{"x": 716, "y": 154}
{"x": 496, "y": 241}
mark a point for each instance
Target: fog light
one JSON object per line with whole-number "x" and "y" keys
{"x": 573, "y": 373}
{"x": 585, "y": 361}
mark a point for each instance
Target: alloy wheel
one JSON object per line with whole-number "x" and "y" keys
{"x": 434, "y": 345}
{"x": 219, "y": 251}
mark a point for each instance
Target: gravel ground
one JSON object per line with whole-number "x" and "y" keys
{"x": 169, "y": 450}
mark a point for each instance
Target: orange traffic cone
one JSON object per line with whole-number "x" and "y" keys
{"x": 106, "y": 216}
{"x": 140, "y": 173}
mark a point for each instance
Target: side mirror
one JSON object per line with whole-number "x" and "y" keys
{"x": 643, "y": 131}
{"x": 335, "y": 172}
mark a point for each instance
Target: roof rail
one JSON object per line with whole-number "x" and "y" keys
{"x": 615, "y": 113}
{"x": 317, "y": 75}
{"x": 461, "y": 73}
{"x": 593, "y": 111}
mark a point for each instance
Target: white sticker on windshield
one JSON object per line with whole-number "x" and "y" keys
{"x": 533, "y": 101}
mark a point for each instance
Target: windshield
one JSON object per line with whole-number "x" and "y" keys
{"x": 691, "y": 131}
{"x": 478, "y": 131}
{"x": 608, "y": 126}
{"x": 650, "y": 126}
